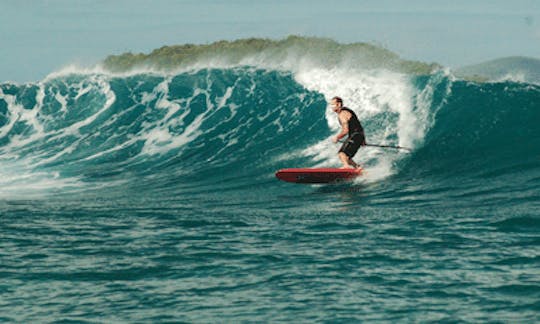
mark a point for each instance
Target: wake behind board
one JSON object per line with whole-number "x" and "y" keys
{"x": 317, "y": 175}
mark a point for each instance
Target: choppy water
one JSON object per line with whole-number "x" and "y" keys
{"x": 152, "y": 197}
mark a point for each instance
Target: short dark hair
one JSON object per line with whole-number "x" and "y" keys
{"x": 338, "y": 99}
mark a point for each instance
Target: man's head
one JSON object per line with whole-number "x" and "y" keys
{"x": 336, "y": 103}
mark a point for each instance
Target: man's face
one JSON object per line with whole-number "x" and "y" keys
{"x": 336, "y": 106}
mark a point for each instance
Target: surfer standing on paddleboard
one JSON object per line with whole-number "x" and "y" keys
{"x": 350, "y": 125}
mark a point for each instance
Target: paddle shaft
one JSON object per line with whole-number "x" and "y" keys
{"x": 389, "y": 146}
{"x": 385, "y": 146}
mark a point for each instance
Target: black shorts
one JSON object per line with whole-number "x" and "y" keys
{"x": 352, "y": 144}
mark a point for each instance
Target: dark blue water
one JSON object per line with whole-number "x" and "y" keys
{"x": 152, "y": 198}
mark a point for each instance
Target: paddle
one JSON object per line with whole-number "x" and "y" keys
{"x": 390, "y": 146}
{"x": 385, "y": 146}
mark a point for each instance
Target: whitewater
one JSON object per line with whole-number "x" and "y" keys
{"x": 150, "y": 195}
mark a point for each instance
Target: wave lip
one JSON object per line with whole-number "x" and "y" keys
{"x": 515, "y": 68}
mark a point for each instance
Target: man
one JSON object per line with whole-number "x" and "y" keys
{"x": 350, "y": 125}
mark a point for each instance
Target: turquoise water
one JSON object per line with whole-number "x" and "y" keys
{"x": 151, "y": 197}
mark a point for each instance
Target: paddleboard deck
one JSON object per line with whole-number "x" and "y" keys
{"x": 317, "y": 175}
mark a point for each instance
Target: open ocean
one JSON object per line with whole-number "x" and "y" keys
{"x": 151, "y": 197}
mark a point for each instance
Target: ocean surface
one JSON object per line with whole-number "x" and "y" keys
{"x": 151, "y": 197}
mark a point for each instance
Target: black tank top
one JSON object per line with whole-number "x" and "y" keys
{"x": 354, "y": 123}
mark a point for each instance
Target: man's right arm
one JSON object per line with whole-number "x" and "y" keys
{"x": 344, "y": 120}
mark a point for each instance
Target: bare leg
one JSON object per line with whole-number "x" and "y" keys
{"x": 353, "y": 164}
{"x": 348, "y": 163}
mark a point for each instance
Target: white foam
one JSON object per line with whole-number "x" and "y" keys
{"x": 368, "y": 93}
{"x": 157, "y": 137}
{"x": 20, "y": 181}
{"x": 21, "y": 175}
{"x": 516, "y": 76}
{"x": 18, "y": 113}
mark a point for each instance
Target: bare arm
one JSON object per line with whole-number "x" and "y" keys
{"x": 344, "y": 120}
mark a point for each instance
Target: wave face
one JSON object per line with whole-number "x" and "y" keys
{"x": 98, "y": 130}
{"x": 157, "y": 191}
{"x": 86, "y": 130}
{"x": 101, "y": 129}
{"x": 484, "y": 144}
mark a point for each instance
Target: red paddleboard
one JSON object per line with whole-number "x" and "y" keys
{"x": 317, "y": 175}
